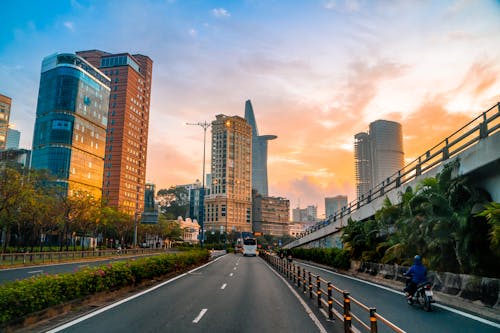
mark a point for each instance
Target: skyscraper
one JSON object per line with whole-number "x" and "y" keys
{"x": 5, "y": 104}
{"x": 13, "y": 137}
{"x": 127, "y": 140}
{"x": 377, "y": 154}
{"x": 71, "y": 118}
{"x": 386, "y": 139}
{"x": 334, "y": 204}
{"x": 362, "y": 163}
{"x": 228, "y": 207}
{"x": 259, "y": 153}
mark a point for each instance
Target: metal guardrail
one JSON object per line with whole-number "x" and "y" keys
{"x": 326, "y": 296}
{"x": 32, "y": 258}
{"x": 479, "y": 128}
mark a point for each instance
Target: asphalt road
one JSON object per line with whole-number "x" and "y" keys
{"x": 11, "y": 274}
{"x": 393, "y": 306}
{"x": 231, "y": 294}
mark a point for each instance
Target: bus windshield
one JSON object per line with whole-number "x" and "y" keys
{"x": 249, "y": 241}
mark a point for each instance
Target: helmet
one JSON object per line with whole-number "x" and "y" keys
{"x": 418, "y": 259}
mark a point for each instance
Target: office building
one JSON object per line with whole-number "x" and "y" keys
{"x": 228, "y": 207}
{"x": 334, "y": 204}
{"x": 362, "y": 163}
{"x": 196, "y": 202}
{"x": 127, "y": 140}
{"x": 13, "y": 138}
{"x": 5, "y": 105}
{"x": 386, "y": 139}
{"x": 378, "y": 154}
{"x": 308, "y": 214}
{"x": 271, "y": 215}
{"x": 259, "y": 152}
{"x": 15, "y": 158}
{"x": 71, "y": 118}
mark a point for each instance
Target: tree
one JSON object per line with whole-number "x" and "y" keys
{"x": 174, "y": 202}
{"x": 115, "y": 224}
{"x": 491, "y": 212}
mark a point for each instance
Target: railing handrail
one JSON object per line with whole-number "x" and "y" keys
{"x": 437, "y": 154}
{"x": 311, "y": 284}
{"x": 24, "y": 258}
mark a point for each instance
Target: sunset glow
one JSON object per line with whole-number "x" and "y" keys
{"x": 317, "y": 73}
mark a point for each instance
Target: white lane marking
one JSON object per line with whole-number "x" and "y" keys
{"x": 235, "y": 268}
{"x": 306, "y": 307}
{"x": 202, "y": 313}
{"x": 223, "y": 286}
{"x": 461, "y": 313}
{"x": 230, "y": 274}
{"x": 35, "y": 272}
{"x": 106, "y": 308}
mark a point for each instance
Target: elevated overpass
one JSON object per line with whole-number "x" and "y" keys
{"x": 477, "y": 148}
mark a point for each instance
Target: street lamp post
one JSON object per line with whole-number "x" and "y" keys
{"x": 201, "y": 217}
{"x": 136, "y": 216}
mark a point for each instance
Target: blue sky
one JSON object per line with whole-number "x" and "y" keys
{"x": 317, "y": 73}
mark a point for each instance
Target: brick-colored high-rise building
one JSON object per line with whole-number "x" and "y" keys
{"x": 127, "y": 132}
{"x": 228, "y": 207}
{"x": 5, "y": 104}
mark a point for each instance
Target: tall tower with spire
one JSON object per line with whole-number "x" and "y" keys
{"x": 259, "y": 152}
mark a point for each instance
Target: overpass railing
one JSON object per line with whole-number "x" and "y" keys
{"x": 335, "y": 302}
{"x": 479, "y": 128}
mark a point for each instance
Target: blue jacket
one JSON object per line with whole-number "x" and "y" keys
{"x": 418, "y": 273}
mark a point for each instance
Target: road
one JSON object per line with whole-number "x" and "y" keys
{"x": 230, "y": 294}
{"x": 393, "y": 306}
{"x": 11, "y": 274}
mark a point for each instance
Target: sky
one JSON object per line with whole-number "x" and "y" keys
{"x": 317, "y": 72}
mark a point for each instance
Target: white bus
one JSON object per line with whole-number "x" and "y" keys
{"x": 250, "y": 247}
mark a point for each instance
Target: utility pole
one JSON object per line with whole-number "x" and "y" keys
{"x": 201, "y": 217}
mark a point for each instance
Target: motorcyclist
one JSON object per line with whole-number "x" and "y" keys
{"x": 418, "y": 274}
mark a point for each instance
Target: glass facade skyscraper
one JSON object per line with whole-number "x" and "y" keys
{"x": 71, "y": 118}
{"x": 259, "y": 153}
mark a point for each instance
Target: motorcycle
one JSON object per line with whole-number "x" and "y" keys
{"x": 422, "y": 295}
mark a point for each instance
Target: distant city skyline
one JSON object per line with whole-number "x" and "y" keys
{"x": 316, "y": 71}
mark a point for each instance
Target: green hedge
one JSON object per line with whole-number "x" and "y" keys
{"x": 22, "y": 297}
{"x": 336, "y": 258}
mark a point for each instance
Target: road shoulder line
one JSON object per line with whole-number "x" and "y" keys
{"x": 304, "y": 304}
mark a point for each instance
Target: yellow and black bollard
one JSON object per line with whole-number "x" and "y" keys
{"x": 347, "y": 313}
{"x": 373, "y": 321}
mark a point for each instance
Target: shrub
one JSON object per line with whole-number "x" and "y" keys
{"x": 336, "y": 258}
{"x": 22, "y": 297}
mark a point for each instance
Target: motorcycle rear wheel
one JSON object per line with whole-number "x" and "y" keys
{"x": 427, "y": 304}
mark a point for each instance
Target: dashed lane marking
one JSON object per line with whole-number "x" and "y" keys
{"x": 36, "y": 272}
{"x": 106, "y": 308}
{"x": 198, "y": 318}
